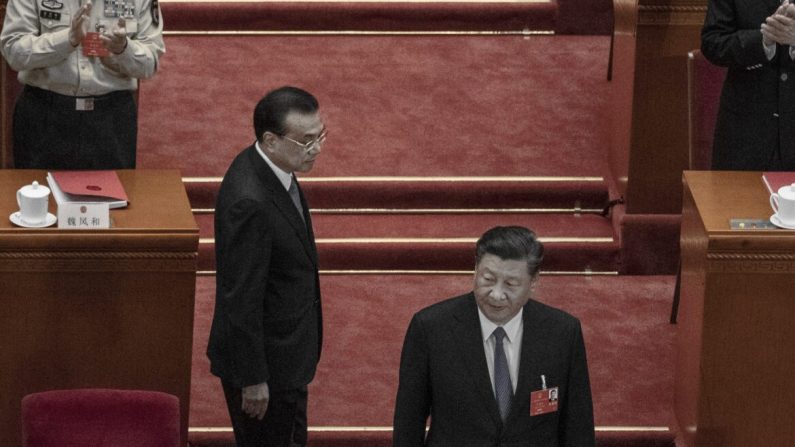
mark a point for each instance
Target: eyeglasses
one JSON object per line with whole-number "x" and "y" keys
{"x": 309, "y": 146}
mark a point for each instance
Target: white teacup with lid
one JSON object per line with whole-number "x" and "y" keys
{"x": 783, "y": 203}
{"x": 33, "y": 200}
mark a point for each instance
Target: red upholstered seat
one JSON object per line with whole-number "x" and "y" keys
{"x": 10, "y": 90}
{"x": 100, "y": 417}
{"x": 704, "y": 84}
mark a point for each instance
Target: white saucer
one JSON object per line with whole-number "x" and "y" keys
{"x": 775, "y": 221}
{"x": 17, "y": 220}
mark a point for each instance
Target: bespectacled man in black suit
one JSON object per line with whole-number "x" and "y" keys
{"x": 266, "y": 334}
{"x": 495, "y": 367}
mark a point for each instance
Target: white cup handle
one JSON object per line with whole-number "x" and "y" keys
{"x": 774, "y": 202}
{"x": 19, "y": 199}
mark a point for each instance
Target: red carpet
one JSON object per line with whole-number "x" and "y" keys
{"x": 564, "y": 16}
{"x": 407, "y": 193}
{"x": 388, "y": 15}
{"x": 585, "y": 17}
{"x": 406, "y": 106}
{"x": 421, "y": 106}
{"x": 444, "y": 241}
{"x": 629, "y": 343}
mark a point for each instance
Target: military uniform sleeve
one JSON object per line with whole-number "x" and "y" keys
{"x": 141, "y": 57}
{"x": 24, "y": 46}
{"x": 724, "y": 43}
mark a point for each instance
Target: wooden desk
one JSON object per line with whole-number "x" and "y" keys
{"x": 736, "y": 336}
{"x": 98, "y": 308}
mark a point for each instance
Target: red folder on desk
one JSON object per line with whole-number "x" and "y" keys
{"x": 775, "y": 180}
{"x": 87, "y": 186}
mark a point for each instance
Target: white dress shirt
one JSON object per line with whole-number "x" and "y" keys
{"x": 286, "y": 178}
{"x": 770, "y": 51}
{"x": 512, "y": 344}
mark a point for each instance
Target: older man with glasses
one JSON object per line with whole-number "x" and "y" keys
{"x": 267, "y": 329}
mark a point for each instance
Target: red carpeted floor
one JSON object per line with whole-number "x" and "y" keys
{"x": 420, "y": 108}
{"x": 372, "y": 16}
{"x": 628, "y": 339}
{"x": 587, "y": 194}
{"x": 394, "y": 105}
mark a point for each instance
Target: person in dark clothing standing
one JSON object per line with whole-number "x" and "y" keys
{"x": 755, "y": 129}
{"x": 267, "y": 328}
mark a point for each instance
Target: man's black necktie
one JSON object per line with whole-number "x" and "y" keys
{"x": 296, "y": 197}
{"x": 502, "y": 378}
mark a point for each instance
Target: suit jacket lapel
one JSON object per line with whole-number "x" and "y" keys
{"x": 467, "y": 332}
{"x": 281, "y": 198}
{"x": 308, "y": 225}
{"x": 531, "y": 360}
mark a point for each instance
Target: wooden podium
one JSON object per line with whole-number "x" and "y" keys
{"x": 98, "y": 308}
{"x": 736, "y": 336}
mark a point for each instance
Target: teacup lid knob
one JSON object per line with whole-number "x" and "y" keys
{"x": 36, "y": 184}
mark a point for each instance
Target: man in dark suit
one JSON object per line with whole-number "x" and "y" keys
{"x": 266, "y": 334}
{"x": 755, "y": 129}
{"x": 494, "y": 367}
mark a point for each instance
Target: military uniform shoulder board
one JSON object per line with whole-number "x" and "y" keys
{"x": 155, "y": 12}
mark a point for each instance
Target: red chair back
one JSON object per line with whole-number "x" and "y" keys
{"x": 9, "y": 91}
{"x": 100, "y": 417}
{"x": 704, "y": 84}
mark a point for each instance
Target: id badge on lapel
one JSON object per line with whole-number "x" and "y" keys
{"x": 544, "y": 401}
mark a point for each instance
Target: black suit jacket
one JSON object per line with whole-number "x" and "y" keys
{"x": 267, "y": 324}
{"x": 755, "y": 129}
{"x": 443, "y": 373}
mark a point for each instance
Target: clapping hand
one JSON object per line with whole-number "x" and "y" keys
{"x": 115, "y": 40}
{"x": 780, "y": 27}
{"x": 79, "y": 25}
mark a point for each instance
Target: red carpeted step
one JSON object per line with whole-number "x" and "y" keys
{"x": 538, "y": 15}
{"x": 394, "y": 105}
{"x": 384, "y": 439}
{"x": 625, "y": 323}
{"x": 332, "y": 227}
{"x": 407, "y": 193}
{"x": 574, "y": 242}
{"x": 585, "y": 17}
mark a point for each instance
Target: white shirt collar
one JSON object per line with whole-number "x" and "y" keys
{"x": 286, "y": 178}
{"x": 511, "y": 327}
